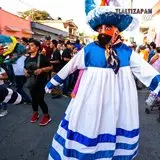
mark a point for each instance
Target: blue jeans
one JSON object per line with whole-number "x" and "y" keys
{"x": 20, "y": 80}
{"x": 10, "y": 73}
{"x": 66, "y": 85}
{"x": 3, "y": 106}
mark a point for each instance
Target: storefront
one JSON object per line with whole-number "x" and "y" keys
{"x": 13, "y": 25}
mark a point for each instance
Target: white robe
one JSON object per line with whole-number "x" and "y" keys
{"x": 102, "y": 121}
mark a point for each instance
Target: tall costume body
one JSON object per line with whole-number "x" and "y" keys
{"x": 102, "y": 121}
{"x": 8, "y": 46}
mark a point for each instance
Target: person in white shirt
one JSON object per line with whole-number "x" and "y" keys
{"x": 3, "y": 105}
{"x": 18, "y": 68}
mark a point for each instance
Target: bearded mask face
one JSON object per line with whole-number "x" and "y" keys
{"x": 104, "y": 39}
{"x": 107, "y": 35}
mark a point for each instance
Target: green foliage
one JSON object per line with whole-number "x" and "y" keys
{"x": 81, "y": 34}
{"x": 35, "y": 15}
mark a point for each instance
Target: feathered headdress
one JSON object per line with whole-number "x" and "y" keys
{"x": 105, "y": 13}
{"x": 8, "y": 45}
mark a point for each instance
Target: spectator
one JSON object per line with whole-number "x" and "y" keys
{"x": 60, "y": 48}
{"x": 18, "y": 68}
{"x": 134, "y": 46}
{"x": 83, "y": 44}
{"x": 43, "y": 51}
{"x": 24, "y": 41}
{"x": 37, "y": 65}
{"x": 56, "y": 62}
{"x": 75, "y": 51}
{"x": 148, "y": 47}
{"x": 66, "y": 57}
{"x": 9, "y": 70}
{"x": 152, "y": 52}
{"x": 56, "y": 57}
{"x": 155, "y": 61}
{"x": 47, "y": 47}
{"x": 18, "y": 39}
{"x": 3, "y": 105}
{"x": 77, "y": 45}
{"x": 143, "y": 52}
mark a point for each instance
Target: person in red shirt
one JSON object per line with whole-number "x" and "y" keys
{"x": 47, "y": 47}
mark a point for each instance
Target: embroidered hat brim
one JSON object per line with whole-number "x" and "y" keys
{"x": 107, "y": 15}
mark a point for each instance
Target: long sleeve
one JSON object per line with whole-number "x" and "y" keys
{"x": 145, "y": 72}
{"x": 77, "y": 62}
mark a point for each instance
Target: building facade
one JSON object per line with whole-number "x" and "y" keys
{"x": 13, "y": 25}
{"x": 41, "y": 30}
{"x": 67, "y": 26}
{"x": 154, "y": 27}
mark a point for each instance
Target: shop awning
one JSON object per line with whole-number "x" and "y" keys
{"x": 12, "y": 29}
{"x": 27, "y": 31}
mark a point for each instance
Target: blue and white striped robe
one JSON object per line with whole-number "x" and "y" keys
{"x": 7, "y": 95}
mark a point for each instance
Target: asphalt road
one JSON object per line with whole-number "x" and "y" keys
{"x": 21, "y": 140}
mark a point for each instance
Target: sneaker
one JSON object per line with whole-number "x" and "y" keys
{"x": 35, "y": 117}
{"x": 45, "y": 120}
{"x": 3, "y": 113}
{"x": 66, "y": 95}
{"x": 28, "y": 103}
{"x": 150, "y": 101}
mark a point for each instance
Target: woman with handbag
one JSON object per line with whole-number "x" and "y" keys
{"x": 37, "y": 67}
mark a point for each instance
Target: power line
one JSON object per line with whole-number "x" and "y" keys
{"x": 26, "y": 4}
{"x": 30, "y": 6}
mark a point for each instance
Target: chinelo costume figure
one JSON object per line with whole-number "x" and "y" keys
{"x": 9, "y": 45}
{"x": 102, "y": 121}
{"x": 7, "y": 95}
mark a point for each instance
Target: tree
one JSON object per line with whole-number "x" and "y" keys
{"x": 81, "y": 34}
{"x": 59, "y": 18}
{"x": 35, "y": 15}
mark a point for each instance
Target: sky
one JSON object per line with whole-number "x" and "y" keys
{"x": 66, "y": 9}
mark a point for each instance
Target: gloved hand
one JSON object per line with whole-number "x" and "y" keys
{"x": 49, "y": 87}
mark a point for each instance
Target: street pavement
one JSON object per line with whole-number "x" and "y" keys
{"x": 21, "y": 140}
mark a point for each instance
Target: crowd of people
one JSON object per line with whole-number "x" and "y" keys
{"x": 55, "y": 54}
{"x": 151, "y": 54}
{"x": 33, "y": 66}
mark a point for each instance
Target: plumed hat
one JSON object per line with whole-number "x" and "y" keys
{"x": 8, "y": 45}
{"x": 104, "y": 12}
